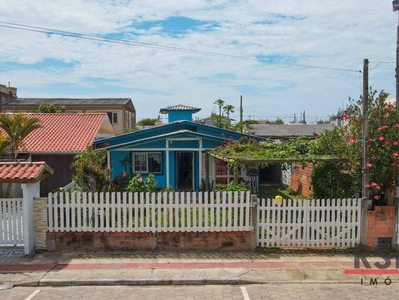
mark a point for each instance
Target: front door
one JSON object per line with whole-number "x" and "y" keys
{"x": 185, "y": 171}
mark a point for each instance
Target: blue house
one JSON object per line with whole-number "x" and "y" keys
{"x": 176, "y": 153}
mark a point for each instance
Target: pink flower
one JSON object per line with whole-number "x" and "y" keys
{"x": 381, "y": 138}
{"x": 397, "y": 125}
{"x": 351, "y": 141}
{"x": 396, "y": 154}
{"x": 140, "y": 180}
{"x": 395, "y": 143}
{"x": 382, "y": 127}
{"x": 368, "y": 186}
{"x": 369, "y": 165}
{"x": 376, "y": 197}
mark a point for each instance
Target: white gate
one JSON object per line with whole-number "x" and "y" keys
{"x": 11, "y": 222}
{"x": 321, "y": 223}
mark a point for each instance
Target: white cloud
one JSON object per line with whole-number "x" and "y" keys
{"x": 335, "y": 34}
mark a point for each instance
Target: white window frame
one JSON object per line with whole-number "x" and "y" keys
{"x": 144, "y": 168}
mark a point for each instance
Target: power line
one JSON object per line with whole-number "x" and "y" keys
{"x": 383, "y": 62}
{"x": 153, "y": 46}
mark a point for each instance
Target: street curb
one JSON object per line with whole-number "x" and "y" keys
{"x": 136, "y": 282}
{"x": 155, "y": 282}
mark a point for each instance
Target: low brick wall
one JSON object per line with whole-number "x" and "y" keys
{"x": 381, "y": 223}
{"x": 131, "y": 241}
{"x": 301, "y": 179}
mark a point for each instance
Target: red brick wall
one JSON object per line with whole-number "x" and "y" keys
{"x": 130, "y": 241}
{"x": 301, "y": 179}
{"x": 381, "y": 223}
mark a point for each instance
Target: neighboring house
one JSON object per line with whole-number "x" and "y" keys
{"x": 274, "y": 174}
{"x": 284, "y": 132}
{"x": 7, "y": 94}
{"x": 210, "y": 121}
{"x": 176, "y": 153}
{"x": 120, "y": 111}
{"x": 61, "y": 137}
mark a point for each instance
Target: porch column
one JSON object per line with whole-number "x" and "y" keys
{"x": 29, "y": 191}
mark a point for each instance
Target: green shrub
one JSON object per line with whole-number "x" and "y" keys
{"x": 139, "y": 185}
{"x": 231, "y": 187}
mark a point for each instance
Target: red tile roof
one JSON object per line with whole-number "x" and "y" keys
{"x": 64, "y": 132}
{"x": 24, "y": 172}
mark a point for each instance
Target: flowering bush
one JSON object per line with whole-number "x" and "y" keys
{"x": 138, "y": 184}
{"x": 383, "y": 141}
{"x": 121, "y": 182}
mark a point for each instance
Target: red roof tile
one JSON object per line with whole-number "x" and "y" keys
{"x": 24, "y": 171}
{"x": 63, "y": 132}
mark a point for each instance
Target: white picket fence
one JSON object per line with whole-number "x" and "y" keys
{"x": 11, "y": 222}
{"x": 325, "y": 223}
{"x": 149, "y": 212}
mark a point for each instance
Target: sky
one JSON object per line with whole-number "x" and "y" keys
{"x": 286, "y": 58}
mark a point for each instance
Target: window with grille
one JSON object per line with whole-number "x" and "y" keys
{"x": 147, "y": 162}
{"x": 224, "y": 173}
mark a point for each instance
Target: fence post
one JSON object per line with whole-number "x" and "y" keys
{"x": 255, "y": 221}
{"x": 363, "y": 221}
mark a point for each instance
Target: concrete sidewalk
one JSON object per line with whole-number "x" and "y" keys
{"x": 161, "y": 268}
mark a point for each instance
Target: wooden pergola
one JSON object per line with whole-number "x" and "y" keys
{"x": 238, "y": 160}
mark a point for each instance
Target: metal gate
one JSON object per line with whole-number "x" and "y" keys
{"x": 11, "y": 222}
{"x": 321, "y": 223}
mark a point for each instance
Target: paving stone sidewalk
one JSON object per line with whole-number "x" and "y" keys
{"x": 49, "y": 268}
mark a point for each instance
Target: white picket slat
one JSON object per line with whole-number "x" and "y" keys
{"x": 331, "y": 223}
{"x": 11, "y": 222}
{"x": 148, "y": 212}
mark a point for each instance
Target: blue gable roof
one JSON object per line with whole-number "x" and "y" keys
{"x": 176, "y": 129}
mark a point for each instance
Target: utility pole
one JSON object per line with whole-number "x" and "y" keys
{"x": 395, "y": 4}
{"x": 241, "y": 113}
{"x": 365, "y": 136}
{"x": 241, "y": 109}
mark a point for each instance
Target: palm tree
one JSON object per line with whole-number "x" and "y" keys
{"x": 228, "y": 109}
{"x": 17, "y": 127}
{"x": 219, "y": 103}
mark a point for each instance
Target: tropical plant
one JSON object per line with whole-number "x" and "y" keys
{"x": 4, "y": 143}
{"x": 219, "y": 103}
{"x": 92, "y": 174}
{"x": 228, "y": 109}
{"x": 17, "y": 127}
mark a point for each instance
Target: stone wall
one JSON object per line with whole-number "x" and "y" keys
{"x": 40, "y": 222}
{"x": 380, "y": 223}
{"x": 164, "y": 241}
